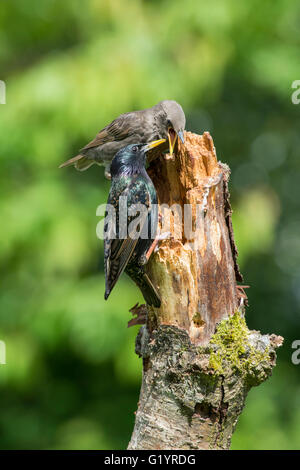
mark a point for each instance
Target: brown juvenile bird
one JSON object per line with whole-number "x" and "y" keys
{"x": 165, "y": 120}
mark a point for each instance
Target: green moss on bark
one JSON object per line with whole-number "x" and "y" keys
{"x": 231, "y": 349}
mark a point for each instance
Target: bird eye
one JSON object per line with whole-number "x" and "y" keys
{"x": 169, "y": 124}
{"x": 135, "y": 148}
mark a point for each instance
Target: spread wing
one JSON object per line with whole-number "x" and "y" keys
{"x": 117, "y": 130}
{"x": 118, "y": 251}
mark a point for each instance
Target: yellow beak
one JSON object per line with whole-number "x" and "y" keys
{"x": 153, "y": 144}
{"x": 172, "y": 141}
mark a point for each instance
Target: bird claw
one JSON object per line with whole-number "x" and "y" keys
{"x": 163, "y": 236}
{"x": 143, "y": 260}
{"x": 154, "y": 247}
{"x": 159, "y": 238}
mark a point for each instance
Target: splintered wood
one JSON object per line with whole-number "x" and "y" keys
{"x": 191, "y": 397}
{"x": 194, "y": 270}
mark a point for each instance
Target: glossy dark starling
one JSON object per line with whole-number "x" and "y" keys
{"x": 165, "y": 120}
{"x": 125, "y": 250}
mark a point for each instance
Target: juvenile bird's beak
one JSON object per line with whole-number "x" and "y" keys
{"x": 172, "y": 140}
{"x": 153, "y": 144}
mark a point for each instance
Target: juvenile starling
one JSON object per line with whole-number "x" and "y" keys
{"x": 165, "y": 120}
{"x": 130, "y": 180}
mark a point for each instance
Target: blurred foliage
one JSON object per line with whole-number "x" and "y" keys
{"x": 72, "y": 378}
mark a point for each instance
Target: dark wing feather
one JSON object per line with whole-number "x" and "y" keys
{"x": 116, "y": 261}
{"x": 117, "y": 130}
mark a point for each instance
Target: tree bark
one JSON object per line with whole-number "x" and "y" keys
{"x": 199, "y": 358}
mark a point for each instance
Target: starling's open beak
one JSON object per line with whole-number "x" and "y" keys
{"x": 153, "y": 144}
{"x": 172, "y": 139}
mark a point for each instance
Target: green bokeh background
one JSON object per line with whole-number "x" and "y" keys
{"x": 72, "y": 379}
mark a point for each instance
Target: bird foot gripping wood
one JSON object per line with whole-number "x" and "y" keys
{"x": 154, "y": 247}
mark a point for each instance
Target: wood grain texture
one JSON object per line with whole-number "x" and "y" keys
{"x": 199, "y": 358}
{"x": 194, "y": 272}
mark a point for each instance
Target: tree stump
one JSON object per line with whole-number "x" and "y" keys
{"x": 199, "y": 358}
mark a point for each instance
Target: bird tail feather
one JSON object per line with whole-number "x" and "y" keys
{"x": 149, "y": 292}
{"x": 80, "y": 162}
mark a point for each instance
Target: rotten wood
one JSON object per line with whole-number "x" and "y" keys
{"x": 198, "y": 272}
{"x": 192, "y": 391}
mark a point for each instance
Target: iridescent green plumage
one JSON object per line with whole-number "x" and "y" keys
{"x": 131, "y": 185}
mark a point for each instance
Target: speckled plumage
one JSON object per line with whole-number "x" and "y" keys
{"x": 159, "y": 122}
{"x": 130, "y": 180}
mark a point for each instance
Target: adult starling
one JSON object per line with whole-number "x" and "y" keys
{"x": 129, "y": 251}
{"x": 165, "y": 120}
